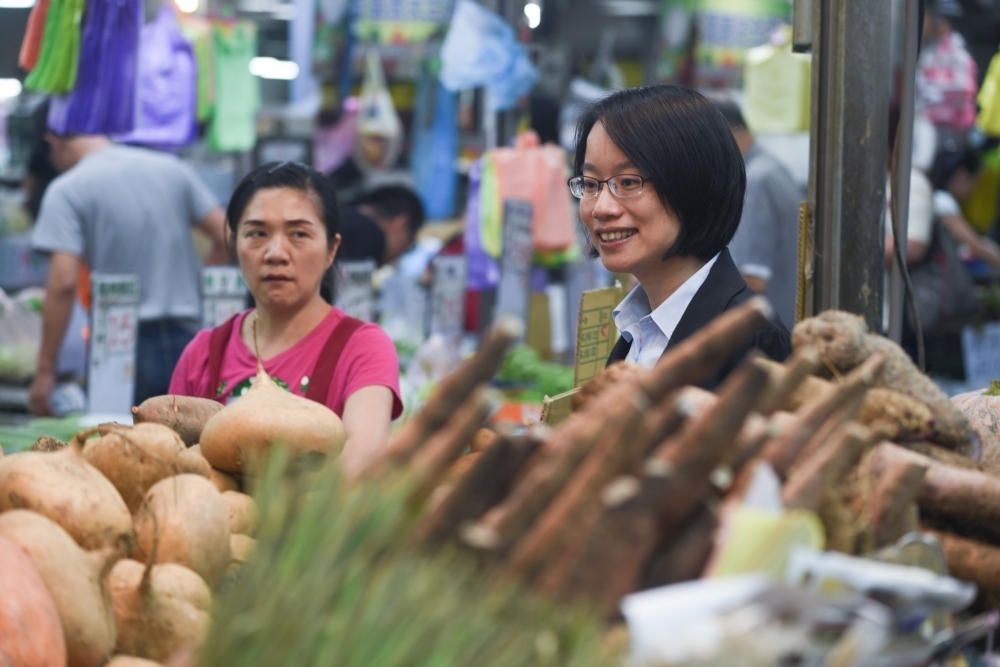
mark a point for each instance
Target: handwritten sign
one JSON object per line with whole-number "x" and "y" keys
{"x": 223, "y": 294}
{"x": 981, "y": 353}
{"x": 515, "y": 263}
{"x": 595, "y": 332}
{"x": 111, "y": 371}
{"x": 355, "y": 293}
{"x": 447, "y": 295}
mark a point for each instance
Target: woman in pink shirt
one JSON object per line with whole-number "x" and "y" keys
{"x": 284, "y": 222}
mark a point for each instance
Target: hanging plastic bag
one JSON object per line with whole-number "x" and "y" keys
{"x": 946, "y": 83}
{"x": 237, "y": 92}
{"x": 481, "y": 49}
{"x": 167, "y": 85}
{"x": 776, "y": 89}
{"x": 20, "y": 333}
{"x": 989, "y": 99}
{"x": 56, "y": 69}
{"x": 435, "y": 147}
{"x": 380, "y": 133}
{"x": 483, "y": 272}
{"x": 333, "y": 145}
{"x": 103, "y": 99}
{"x": 31, "y": 45}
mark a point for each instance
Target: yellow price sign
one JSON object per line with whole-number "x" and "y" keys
{"x": 595, "y": 332}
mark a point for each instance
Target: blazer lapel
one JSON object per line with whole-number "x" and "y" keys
{"x": 722, "y": 284}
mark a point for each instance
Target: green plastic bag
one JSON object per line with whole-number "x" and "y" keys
{"x": 56, "y": 69}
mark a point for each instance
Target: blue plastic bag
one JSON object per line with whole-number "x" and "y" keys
{"x": 481, "y": 49}
{"x": 167, "y": 85}
{"x": 103, "y": 99}
{"x": 435, "y": 147}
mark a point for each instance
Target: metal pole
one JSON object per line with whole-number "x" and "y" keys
{"x": 848, "y": 154}
{"x": 902, "y": 164}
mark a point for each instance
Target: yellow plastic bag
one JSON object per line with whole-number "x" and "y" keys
{"x": 989, "y": 99}
{"x": 776, "y": 90}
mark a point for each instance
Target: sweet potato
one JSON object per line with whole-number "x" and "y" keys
{"x": 131, "y": 661}
{"x": 241, "y": 550}
{"x": 483, "y": 440}
{"x": 609, "y": 376}
{"x": 64, "y": 487}
{"x": 826, "y": 467}
{"x": 31, "y": 634}
{"x": 973, "y": 561}
{"x": 73, "y": 577}
{"x": 223, "y": 481}
{"x": 966, "y": 499}
{"x": 47, "y": 444}
{"x": 185, "y": 415}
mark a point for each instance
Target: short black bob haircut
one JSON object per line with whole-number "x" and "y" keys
{"x": 296, "y": 176}
{"x": 683, "y": 148}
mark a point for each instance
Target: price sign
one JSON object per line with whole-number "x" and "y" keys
{"x": 447, "y": 296}
{"x": 515, "y": 264}
{"x": 355, "y": 294}
{"x": 111, "y": 363}
{"x": 595, "y": 332}
{"x": 223, "y": 294}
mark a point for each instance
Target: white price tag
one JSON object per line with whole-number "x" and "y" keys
{"x": 515, "y": 264}
{"x": 223, "y": 294}
{"x": 355, "y": 293}
{"x": 447, "y": 316}
{"x": 111, "y": 363}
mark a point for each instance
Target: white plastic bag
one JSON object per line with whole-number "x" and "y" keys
{"x": 20, "y": 334}
{"x": 380, "y": 134}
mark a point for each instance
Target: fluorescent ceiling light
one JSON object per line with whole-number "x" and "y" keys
{"x": 186, "y": 6}
{"x": 533, "y": 12}
{"x": 631, "y": 7}
{"x": 16, "y": 4}
{"x": 272, "y": 68}
{"x": 9, "y": 88}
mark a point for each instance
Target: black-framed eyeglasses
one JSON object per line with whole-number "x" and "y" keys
{"x": 621, "y": 186}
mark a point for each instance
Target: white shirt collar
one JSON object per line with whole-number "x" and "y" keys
{"x": 629, "y": 314}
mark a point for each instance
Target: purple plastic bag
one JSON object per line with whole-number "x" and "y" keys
{"x": 165, "y": 113}
{"x": 484, "y": 272}
{"x": 103, "y": 100}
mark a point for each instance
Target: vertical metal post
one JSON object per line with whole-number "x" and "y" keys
{"x": 848, "y": 154}
{"x": 903, "y": 162}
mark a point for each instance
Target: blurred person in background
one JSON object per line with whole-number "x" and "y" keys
{"x": 953, "y": 177}
{"x": 766, "y": 245}
{"x": 381, "y": 225}
{"x": 119, "y": 209}
{"x": 946, "y": 75}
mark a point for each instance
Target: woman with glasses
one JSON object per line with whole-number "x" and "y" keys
{"x": 661, "y": 183}
{"x": 284, "y": 223}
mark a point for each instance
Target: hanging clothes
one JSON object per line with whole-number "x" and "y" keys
{"x": 946, "y": 83}
{"x": 56, "y": 66}
{"x": 32, "y": 42}
{"x": 167, "y": 87}
{"x": 198, "y": 31}
{"x": 103, "y": 100}
{"x": 237, "y": 92}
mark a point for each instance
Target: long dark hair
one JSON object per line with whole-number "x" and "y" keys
{"x": 684, "y": 147}
{"x": 297, "y": 176}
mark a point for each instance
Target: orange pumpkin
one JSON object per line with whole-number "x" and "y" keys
{"x": 31, "y": 634}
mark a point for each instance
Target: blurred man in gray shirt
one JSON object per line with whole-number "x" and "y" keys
{"x": 766, "y": 245}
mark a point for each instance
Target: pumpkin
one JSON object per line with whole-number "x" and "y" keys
{"x": 31, "y": 634}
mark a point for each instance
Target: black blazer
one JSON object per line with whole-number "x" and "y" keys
{"x": 724, "y": 288}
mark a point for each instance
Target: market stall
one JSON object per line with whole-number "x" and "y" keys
{"x": 527, "y": 545}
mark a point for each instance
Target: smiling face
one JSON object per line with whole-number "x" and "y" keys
{"x": 283, "y": 249}
{"x": 631, "y": 234}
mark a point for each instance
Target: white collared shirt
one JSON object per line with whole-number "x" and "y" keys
{"x": 650, "y": 332}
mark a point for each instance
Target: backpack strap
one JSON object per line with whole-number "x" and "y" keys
{"x": 217, "y": 343}
{"x": 329, "y": 357}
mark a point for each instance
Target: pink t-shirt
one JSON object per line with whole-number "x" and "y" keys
{"x": 368, "y": 359}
